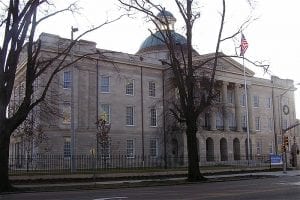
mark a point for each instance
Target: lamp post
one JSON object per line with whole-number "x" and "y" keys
{"x": 283, "y": 109}
{"x": 73, "y": 133}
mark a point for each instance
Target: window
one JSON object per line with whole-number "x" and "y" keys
{"x": 153, "y": 148}
{"x": 230, "y": 96}
{"x": 256, "y": 101}
{"x": 67, "y": 147}
{"x": 271, "y": 148}
{"x": 153, "y": 117}
{"x": 130, "y": 149}
{"x": 269, "y": 102}
{"x": 152, "y": 89}
{"x": 206, "y": 120}
{"x": 231, "y": 120}
{"x": 219, "y": 120}
{"x": 257, "y": 123}
{"x": 67, "y": 80}
{"x": 270, "y": 124}
{"x": 244, "y": 122}
{"x": 130, "y": 87}
{"x": 66, "y": 113}
{"x": 105, "y": 112}
{"x": 105, "y": 84}
{"x": 243, "y": 100}
{"x": 129, "y": 115}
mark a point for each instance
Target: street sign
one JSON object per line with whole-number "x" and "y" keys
{"x": 276, "y": 159}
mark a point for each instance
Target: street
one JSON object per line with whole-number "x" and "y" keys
{"x": 278, "y": 188}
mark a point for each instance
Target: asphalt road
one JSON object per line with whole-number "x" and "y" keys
{"x": 279, "y": 188}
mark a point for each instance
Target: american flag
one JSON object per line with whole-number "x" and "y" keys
{"x": 244, "y": 45}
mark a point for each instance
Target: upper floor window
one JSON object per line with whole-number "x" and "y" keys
{"x": 152, "y": 89}
{"x": 219, "y": 120}
{"x": 105, "y": 84}
{"x": 153, "y": 117}
{"x": 230, "y": 96}
{"x": 129, "y": 115}
{"x": 270, "y": 124}
{"x": 67, "y": 79}
{"x": 231, "y": 120}
{"x": 243, "y": 100}
{"x": 130, "y": 87}
{"x": 256, "y": 101}
{"x": 244, "y": 121}
{"x": 269, "y": 102}
{"x": 257, "y": 123}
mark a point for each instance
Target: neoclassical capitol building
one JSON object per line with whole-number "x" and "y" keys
{"x": 131, "y": 92}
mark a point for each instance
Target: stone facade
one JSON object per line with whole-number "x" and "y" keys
{"x": 130, "y": 92}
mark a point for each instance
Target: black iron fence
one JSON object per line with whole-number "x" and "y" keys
{"x": 56, "y": 164}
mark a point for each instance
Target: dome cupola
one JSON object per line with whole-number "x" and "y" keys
{"x": 155, "y": 42}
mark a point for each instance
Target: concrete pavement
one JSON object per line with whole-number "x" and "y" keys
{"x": 147, "y": 181}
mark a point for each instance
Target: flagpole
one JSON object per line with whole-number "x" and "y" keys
{"x": 247, "y": 113}
{"x": 244, "y": 46}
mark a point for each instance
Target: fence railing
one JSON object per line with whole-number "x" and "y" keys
{"x": 56, "y": 164}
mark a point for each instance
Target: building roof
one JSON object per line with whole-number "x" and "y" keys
{"x": 165, "y": 13}
{"x": 156, "y": 40}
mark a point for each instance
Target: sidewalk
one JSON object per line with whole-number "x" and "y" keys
{"x": 134, "y": 182}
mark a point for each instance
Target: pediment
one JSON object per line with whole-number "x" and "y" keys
{"x": 229, "y": 65}
{"x": 226, "y": 64}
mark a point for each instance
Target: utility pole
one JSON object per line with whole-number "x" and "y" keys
{"x": 73, "y": 133}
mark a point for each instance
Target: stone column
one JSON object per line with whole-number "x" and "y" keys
{"x": 250, "y": 106}
{"x": 237, "y": 95}
{"x": 224, "y": 99}
{"x": 212, "y": 115}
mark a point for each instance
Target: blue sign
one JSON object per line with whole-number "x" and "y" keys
{"x": 276, "y": 159}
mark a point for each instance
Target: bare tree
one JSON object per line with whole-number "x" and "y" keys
{"x": 19, "y": 21}
{"x": 103, "y": 139}
{"x": 32, "y": 136}
{"x": 194, "y": 80}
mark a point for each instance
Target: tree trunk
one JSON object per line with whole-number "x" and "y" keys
{"x": 5, "y": 185}
{"x": 194, "y": 173}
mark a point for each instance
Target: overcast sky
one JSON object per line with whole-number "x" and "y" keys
{"x": 273, "y": 37}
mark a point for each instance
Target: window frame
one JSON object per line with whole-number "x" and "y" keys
{"x": 153, "y": 117}
{"x": 152, "y": 89}
{"x": 67, "y": 80}
{"x": 67, "y": 147}
{"x": 129, "y": 90}
{"x": 130, "y": 116}
{"x": 243, "y": 100}
{"x": 269, "y": 102}
{"x": 104, "y": 86}
{"x": 130, "y": 151}
{"x": 152, "y": 149}
{"x": 257, "y": 123}
{"x": 256, "y": 101}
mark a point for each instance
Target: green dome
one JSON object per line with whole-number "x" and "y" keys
{"x": 165, "y": 13}
{"x": 156, "y": 40}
